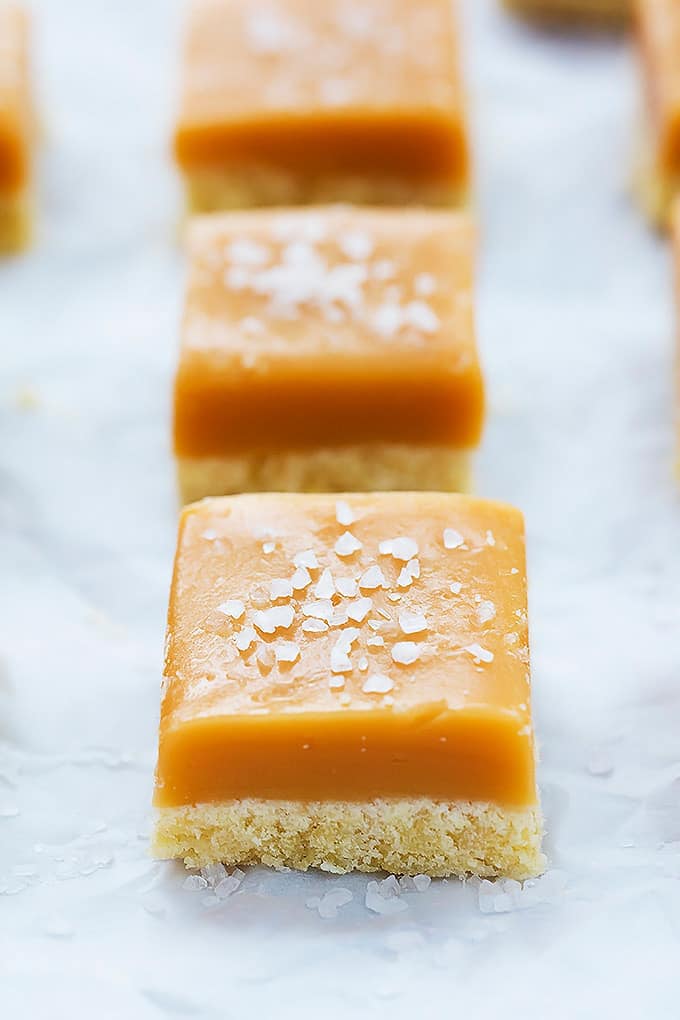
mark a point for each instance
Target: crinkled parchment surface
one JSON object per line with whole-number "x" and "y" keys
{"x": 576, "y": 329}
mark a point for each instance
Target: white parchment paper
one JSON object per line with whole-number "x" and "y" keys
{"x": 576, "y": 330}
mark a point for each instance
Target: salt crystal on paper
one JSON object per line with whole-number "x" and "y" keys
{"x": 381, "y": 900}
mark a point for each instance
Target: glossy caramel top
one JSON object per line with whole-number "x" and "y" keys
{"x": 272, "y": 65}
{"x": 15, "y": 99}
{"x": 328, "y": 326}
{"x": 351, "y": 620}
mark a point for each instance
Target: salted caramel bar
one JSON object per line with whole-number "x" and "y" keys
{"x": 675, "y": 221}
{"x": 16, "y": 129}
{"x": 593, "y": 12}
{"x": 328, "y": 349}
{"x": 287, "y": 102}
{"x": 347, "y": 687}
{"x": 658, "y": 173}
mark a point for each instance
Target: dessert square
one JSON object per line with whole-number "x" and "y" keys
{"x": 658, "y": 174}
{"x": 326, "y": 350}
{"x": 595, "y": 12}
{"x": 16, "y": 129}
{"x": 347, "y": 687}
{"x": 288, "y": 102}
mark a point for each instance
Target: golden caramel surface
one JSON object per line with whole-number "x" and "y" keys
{"x": 328, "y": 326}
{"x": 365, "y": 646}
{"x": 658, "y": 34}
{"x": 337, "y": 86}
{"x": 16, "y": 124}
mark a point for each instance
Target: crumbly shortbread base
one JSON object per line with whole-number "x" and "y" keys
{"x": 361, "y": 468}
{"x": 15, "y": 222}
{"x": 409, "y": 836}
{"x": 585, "y": 11}
{"x": 251, "y": 186}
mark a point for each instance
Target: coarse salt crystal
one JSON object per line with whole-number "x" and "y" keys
{"x": 336, "y": 683}
{"x": 265, "y": 657}
{"x": 347, "y": 545}
{"x": 377, "y": 683}
{"x": 419, "y": 315}
{"x": 246, "y": 252}
{"x": 452, "y": 538}
{"x": 244, "y": 639}
{"x": 478, "y": 653}
{"x": 394, "y": 596}
{"x": 268, "y": 547}
{"x": 363, "y": 663}
{"x": 412, "y": 623}
{"x": 346, "y": 586}
{"x": 356, "y": 246}
{"x": 325, "y": 586}
{"x": 301, "y": 579}
{"x": 344, "y": 514}
{"x": 376, "y": 641}
{"x": 287, "y": 651}
{"x": 425, "y": 284}
{"x": 372, "y": 578}
{"x": 313, "y": 626}
{"x": 233, "y": 608}
{"x": 307, "y": 559}
{"x": 280, "y": 588}
{"x": 270, "y": 620}
{"x": 400, "y": 548}
{"x": 406, "y": 652}
{"x": 383, "y": 902}
{"x": 359, "y": 609}
{"x": 486, "y": 611}
{"x": 455, "y": 587}
{"x": 490, "y": 539}
{"x": 195, "y": 883}
{"x": 322, "y": 610}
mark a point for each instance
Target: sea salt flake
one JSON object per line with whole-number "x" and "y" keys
{"x": 379, "y": 903}
{"x": 490, "y": 539}
{"x": 388, "y": 319}
{"x": 425, "y": 285}
{"x": 346, "y": 586}
{"x": 486, "y": 611}
{"x": 347, "y": 545}
{"x": 268, "y": 547}
{"x": 377, "y": 683}
{"x": 394, "y": 596}
{"x": 213, "y": 874}
{"x": 314, "y": 626}
{"x": 281, "y": 588}
{"x": 321, "y": 610}
{"x": 356, "y": 246}
{"x": 376, "y": 641}
{"x": 338, "y": 618}
{"x": 265, "y": 657}
{"x": 325, "y": 586}
{"x": 229, "y": 885}
{"x": 363, "y": 664}
{"x": 452, "y": 538}
{"x": 406, "y": 652}
{"x": 372, "y": 578}
{"x": 195, "y": 883}
{"x": 344, "y": 514}
{"x": 455, "y": 587}
{"x": 412, "y": 623}
{"x": 359, "y": 609}
{"x": 268, "y": 621}
{"x": 422, "y": 317}
{"x": 301, "y": 579}
{"x": 400, "y": 548}
{"x": 307, "y": 559}
{"x": 245, "y": 252}
{"x": 336, "y": 683}
{"x": 478, "y": 653}
{"x": 287, "y": 651}
{"x": 244, "y": 638}
{"x": 233, "y": 608}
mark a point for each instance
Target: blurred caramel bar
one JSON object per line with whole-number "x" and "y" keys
{"x": 347, "y": 687}
{"x": 16, "y": 129}
{"x": 288, "y": 102}
{"x": 328, "y": 349}
{"x": 657, "y": 25}
{"x": 596, "y": 12}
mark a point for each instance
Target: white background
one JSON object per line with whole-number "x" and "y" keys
{"x": 576, "y": 330}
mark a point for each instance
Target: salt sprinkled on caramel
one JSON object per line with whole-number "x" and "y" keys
{"x": 287, "y": 651}
{"x": 233, "y": 608}
{"x": 346, "y": 586}
{"x": 359, "y": 609}
{"x": 270, "y": 620}
{"x": 301, "y": 579}
{"x": 400, "y": 548}
{"x": 372, "y": 578}
{"x": 280, "y": 588}
{"x": 478, "y": 653}
{"x": 306, "y": 559}
{"x": 486, "y": 611}
{"x": 406, "y": 652}
{"x": 244, "y": 638}
{"x": 344, "y": 514}
{"x": 452, "y": 538}
{"x": 325, "y": 587}
{"x": 347, "y": 545}
{"x": 377, "y": 683}
{"x": 412, "y": 623}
